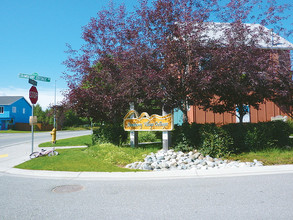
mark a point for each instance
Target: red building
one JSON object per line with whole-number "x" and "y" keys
{"x": 280, "y": 50}
{"x": 266, "y": 111}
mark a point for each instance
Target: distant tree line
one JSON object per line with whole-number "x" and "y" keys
{"x": 64, "y": 117}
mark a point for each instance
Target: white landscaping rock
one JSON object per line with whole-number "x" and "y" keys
{"x": 194, "y": 160}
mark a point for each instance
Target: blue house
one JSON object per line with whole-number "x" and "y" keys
{"x": 14, "y": 109}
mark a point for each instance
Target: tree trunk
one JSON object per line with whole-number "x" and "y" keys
{"x": 242, "y": 110}
{"x": 241, "y": 118}
{"x": 184, "y": 109}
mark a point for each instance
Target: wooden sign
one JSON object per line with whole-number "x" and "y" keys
{"x": 147, "y": 123}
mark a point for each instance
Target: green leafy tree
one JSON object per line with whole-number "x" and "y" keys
{"x": 41, "y": 115}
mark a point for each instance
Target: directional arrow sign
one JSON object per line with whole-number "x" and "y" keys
{"x": 34, "y": 76}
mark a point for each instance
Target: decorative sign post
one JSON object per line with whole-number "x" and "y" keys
{"x": 133, "y": 134}
{"x": 166, "y": 135}
{"x": 33, "y": 95}
{"x": 144, "y": 122}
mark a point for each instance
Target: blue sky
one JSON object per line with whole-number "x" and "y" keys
{"x": 33, "y": 39}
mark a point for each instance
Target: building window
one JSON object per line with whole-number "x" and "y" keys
{"x": 1, "y": 109}
{"x": 205, "y": 62}
{"x": 13, "y": 109}
{"x": 23, "y": 111}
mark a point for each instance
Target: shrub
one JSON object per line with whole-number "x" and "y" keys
{"x": 183, "y": 145}
{"x": 232, "y": 138}
{"x": 215, "y": 141}
{"x": 259, "y": 136}
{"x": 109, "y": 133}
{"x": 186, "y": 134}
{"x": 268, "y": 135}
{"x": 148, "y": 136}
{"x": 208, "y": 138}
{"x": 237, "y": 132}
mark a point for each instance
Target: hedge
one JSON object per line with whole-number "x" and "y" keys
{"x": 232, "y": 138}
{"x": 110, "y": 133}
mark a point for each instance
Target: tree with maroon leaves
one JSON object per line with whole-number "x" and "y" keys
{"x": 112, "y": 69}
{"x": 248, "y": 68}
{"x": 144, "y": 57}
{"x": 164, "y": 54}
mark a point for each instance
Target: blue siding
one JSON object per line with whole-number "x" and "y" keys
{"x": 21, "y": 116}
{"x": 178, "y": 117}
{"x": 17, "y": 112}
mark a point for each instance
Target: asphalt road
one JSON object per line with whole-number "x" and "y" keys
{"x": 13, "y": 139}
{"x": 15, "y": 148}
{"x": 206, "y": 195}
{"x": 249, "y": 197}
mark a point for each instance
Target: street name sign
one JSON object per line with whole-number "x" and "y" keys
{"x": 33, "y": 82}
{"x": 34, "y": 76}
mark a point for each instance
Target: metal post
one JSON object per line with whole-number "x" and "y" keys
{"x": 55, "y": 107}
{"x": 133, "y": 134}
{"x": 32, "y": 128}
{"x": 166, "y": 136}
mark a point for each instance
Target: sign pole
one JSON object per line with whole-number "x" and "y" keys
{"x": 55, "y": 107}
{"x": 32, "y": 128}
{"x": 33, "y": 95}
{"x": 166, "y": 135}
{"x": 133, "y": 134}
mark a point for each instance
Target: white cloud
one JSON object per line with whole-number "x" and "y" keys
{"x": 45, "y": 95}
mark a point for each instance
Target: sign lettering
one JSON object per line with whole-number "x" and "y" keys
{"x": 147, "y": 123}
{"x": 34, "y": 76}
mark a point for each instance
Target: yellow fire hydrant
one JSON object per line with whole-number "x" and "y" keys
{"x": 53, "y": 133}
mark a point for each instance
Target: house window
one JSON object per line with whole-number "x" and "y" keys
{"x": 1, "y": 109}
{"x": 13, "y": 109}
{"x": 23, "y": 111}
{"x": 205, "y": 62}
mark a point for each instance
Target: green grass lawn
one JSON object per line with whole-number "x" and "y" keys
{"x": 268, "y": 157}
{"x": 97, "y": 158}
{"x": 111, "y": 158}
{"x": 75, "y": 141}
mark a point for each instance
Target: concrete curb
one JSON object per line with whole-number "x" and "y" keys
{"x": 68, "y": 147}
{"x": 153, "y": 175}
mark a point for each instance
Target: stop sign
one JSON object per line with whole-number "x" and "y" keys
{"x": 33, "y": 94}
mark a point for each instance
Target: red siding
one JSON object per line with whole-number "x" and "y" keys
{"x": 264, "y": 113}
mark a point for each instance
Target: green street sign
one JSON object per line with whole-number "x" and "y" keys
{"x": 22, "y": 75}
{"x": 34, "y": 76}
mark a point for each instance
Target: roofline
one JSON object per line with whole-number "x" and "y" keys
{"x": 20, "y": 97}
